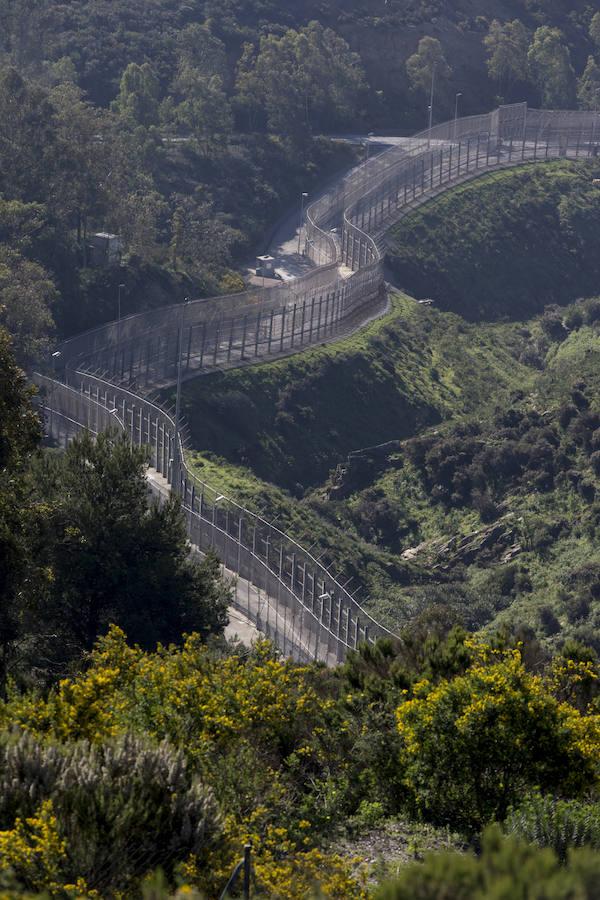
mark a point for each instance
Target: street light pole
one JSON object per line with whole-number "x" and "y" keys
{"x": 176, "y": 450}
{"x": 369, "y": 136}
{"x": 456, "y": 99}
{"x": 302, "y": 199}
{"x": 431, "y": 98}
{"x": 119, "y": 289}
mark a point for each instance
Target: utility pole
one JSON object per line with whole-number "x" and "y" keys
{"x": 177, "y": 461}
{"x": 302, "y": 199}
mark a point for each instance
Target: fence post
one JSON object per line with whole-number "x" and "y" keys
{"x": 217, "y": 341}
{"x": 293, "y": 324}
{"x": 257, "y": 335}
{"x": 303, "y": 321}
{"x": 247, "y": 870}
{"x": 270, "y": 332}
{"x": 244, "y": 327}
{"x": 230, "y": 344}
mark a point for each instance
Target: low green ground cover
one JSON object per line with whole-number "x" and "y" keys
{"x": 506, "y": 244}
{"x": 293, "y": 420}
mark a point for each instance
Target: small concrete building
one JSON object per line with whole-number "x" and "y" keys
{"x": 105, "y": 249}
{"x": 265, "y": 266}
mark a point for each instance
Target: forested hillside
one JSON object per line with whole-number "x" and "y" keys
{"x": 187, "y": 130}
{"x": 443, "y": 463}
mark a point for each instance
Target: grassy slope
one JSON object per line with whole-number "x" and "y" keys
{"x": 293, "y": 420}
{"x": 413, "y": 367}
{"x": 506, "y": 244}
{"x": 418, "y": 370}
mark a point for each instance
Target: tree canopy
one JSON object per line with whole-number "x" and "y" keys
{"x": 113, "y": 557}
{"x": 550, "y": 66}
{"x": 507, "y": 44}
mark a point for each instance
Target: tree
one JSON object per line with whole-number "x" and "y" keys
{"x": 199, "y": 238}
{"x": 115, "y": 558}
{"x": 27, "y": 139}
{"x": 474, "y": 744}
{"x": 204, "y": 109}
{"x": 77, "y": 126}
{"x": 550, "y": 68}
{"x": 27, "y": 295}
{"x": 595, "y": 29}
{"x": 19, "y": 436}
{"x": 588, "y": 88}
{"x": 138, "y": 95}
{"x": 136, "y": 217}
{"x": 201, "y": 50}
{"x": 422, "y": 64}
{"x": 300, "y": 79}
{"x": 506, "y": 44}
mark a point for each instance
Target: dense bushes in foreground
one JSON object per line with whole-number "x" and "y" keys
{"x": 506, "y": 869}
{"x": 202, "y": 753}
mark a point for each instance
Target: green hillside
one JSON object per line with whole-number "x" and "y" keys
{"x": 507, "y": 244}
{"x": 482, "y": 507}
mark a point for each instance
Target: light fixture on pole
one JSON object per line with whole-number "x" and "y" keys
{"x": 431, "y": 100}
{"x": 119, "y": 289}
{"x": 176, "y": 478}
{"x": 302, "y": 199}
{"x": 456, "y": 99}
{"x": 369, "y": 136}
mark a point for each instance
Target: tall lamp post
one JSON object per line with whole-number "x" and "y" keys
{"x": 176, "y": 477}
{"x": 369, "y": 136}
{"x": 303, "y": 197}
{"x": 456, "y": 99}
{"x": 120, "y": 288}
{"x": 431, "y": 98}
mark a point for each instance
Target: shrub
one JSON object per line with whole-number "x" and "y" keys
{"x": 123, "y": 807}
{"x": 566, "y": 414}
{"x": 548, "y": 621}
{"x": 558, "y": 824}
{"x": 552, "y": 324}
{"x": 592, "y": 311}
{"x": 474, "y": 744}
{"x": 507, "y": 868}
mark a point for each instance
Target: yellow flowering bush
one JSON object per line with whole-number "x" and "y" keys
{"x": 35, "y": 854}
{"x": 576, "y": 681}
{"x": 472, "y": 745}
{"x": 284, "y": 867}
{"x": 196, "y": 700}
{"x": 33, "y": 849}
{"x": 254, "y": 727}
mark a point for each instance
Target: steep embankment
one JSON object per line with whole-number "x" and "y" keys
{"x": 292, "y": 421}
{"x": 507, "y": 244}
{"x": 301, "y": 416}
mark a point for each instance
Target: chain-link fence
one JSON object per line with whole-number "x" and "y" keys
{"x": 277, "y": 584}
{"x": 450, "y": 153}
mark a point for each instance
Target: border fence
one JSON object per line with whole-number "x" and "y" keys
{"x": 104, "y": 377}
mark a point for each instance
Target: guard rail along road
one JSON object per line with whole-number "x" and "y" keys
{"x": 106, "y": 377}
